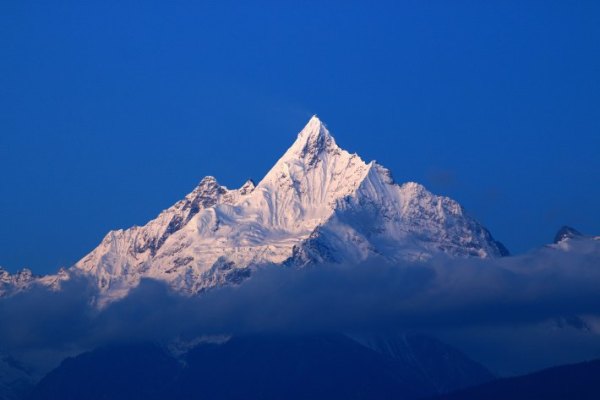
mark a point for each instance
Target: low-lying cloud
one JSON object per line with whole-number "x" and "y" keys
{"x": 439, "y": 295}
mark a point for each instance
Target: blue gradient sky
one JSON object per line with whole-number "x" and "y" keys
{"x": 111, "y": 111}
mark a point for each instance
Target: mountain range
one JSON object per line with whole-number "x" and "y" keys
{"x": 318, "y": 204}
{"x": 573, "y": 381}
{"x": 315, "y": 366}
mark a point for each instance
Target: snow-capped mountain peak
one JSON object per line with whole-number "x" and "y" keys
{"x": 566, "y": 232}
{"x": 312, "y": 141}
{"x": 318, "y": 203}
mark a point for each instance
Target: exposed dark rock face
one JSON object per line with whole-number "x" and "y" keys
{"x": 566, "y": 232}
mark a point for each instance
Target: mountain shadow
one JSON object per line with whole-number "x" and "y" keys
{"x": 326, "y": 366}
{"x": 576, "y": 381}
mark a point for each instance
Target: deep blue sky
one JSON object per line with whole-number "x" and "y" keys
{"x": 112, "y": 111}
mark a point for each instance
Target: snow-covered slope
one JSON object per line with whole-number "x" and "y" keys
{"x": 126, "y": 255}
{"x": 318, "y": 203}
{"x": 24, "y": 279}
{"x": 10, "y": 283}
{"x": 571, "y": 240}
